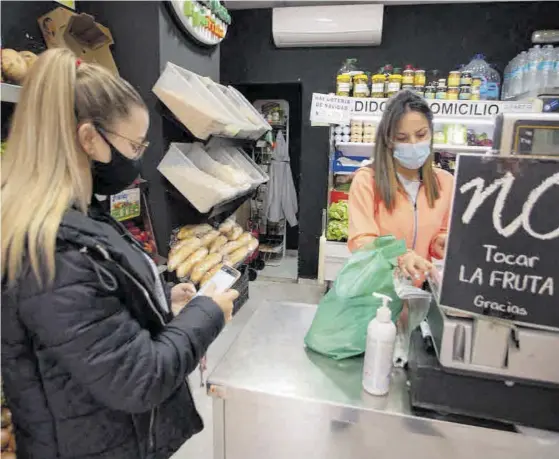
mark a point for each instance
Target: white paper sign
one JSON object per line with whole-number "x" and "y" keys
{"x": 330, "y": 109}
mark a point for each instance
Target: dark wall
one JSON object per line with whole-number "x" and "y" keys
{"x": 430, "y": 36}
{"x": 145, "y": 37}
{"x": 174, "y": 47}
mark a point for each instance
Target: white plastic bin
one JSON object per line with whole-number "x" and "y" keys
{"x": 233, "y": 157}
{"x": 202, "y": 190}
{"x": 247, "y": 107}
{"x": 230, "y": 175}
{"x": 193, "y": 105}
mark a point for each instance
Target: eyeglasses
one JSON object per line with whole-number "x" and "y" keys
{"x": 137, "y": 147}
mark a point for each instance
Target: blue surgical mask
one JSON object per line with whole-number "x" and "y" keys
{"x": 412, "y": 155}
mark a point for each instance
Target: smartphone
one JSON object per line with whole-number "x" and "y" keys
{"x": 223, "y": 280}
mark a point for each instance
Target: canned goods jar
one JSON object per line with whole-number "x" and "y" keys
{"x": 466, "y": 78}
{"x": 441, "y": 92}
{"x": 408, "y": 76}
{"x": 452, "y": 92}
{"x": 476, "y": 93}
{"x": 419, "y": 90}
{"x": 454, "y": 79}
{"x": 476, "y": 82}
{"x": 419, "y": 78}
{"x": 361, "y": 85}
{"x": 343, "y": 84}
{"x": 465, "y": 93}
{"x": 377, "y": 85}
{"x": 430, "y": 92}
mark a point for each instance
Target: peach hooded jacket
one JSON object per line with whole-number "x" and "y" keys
{"x": 418, "y": 227}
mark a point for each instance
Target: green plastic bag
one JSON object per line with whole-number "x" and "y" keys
{"x": 339, "y": 327}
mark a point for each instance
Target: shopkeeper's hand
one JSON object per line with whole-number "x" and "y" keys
{"x": 439, "y": 245}
{"x": 413, "y": 266}
{"x": 181, "y": 294}
{"x": 223, "y": 300}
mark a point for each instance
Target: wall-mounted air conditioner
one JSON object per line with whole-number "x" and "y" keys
{"x": 344, "y": 25}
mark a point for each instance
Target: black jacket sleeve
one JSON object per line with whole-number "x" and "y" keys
{"x": 94, "y": 337}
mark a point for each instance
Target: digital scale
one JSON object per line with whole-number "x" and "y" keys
{"x": 494, "y": 317}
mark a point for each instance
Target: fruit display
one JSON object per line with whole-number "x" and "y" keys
{"x": 143, "y": 236}
{"x": 338, "y": 221}
{"x": 15, "y": 65}
{"x": 8, "y": 439}
{"x": 199, "y": 251}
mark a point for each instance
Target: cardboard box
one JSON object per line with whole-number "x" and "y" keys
{"x": 89, "y": 40}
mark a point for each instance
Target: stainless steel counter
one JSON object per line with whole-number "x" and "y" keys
{"x": 273, "y": 399}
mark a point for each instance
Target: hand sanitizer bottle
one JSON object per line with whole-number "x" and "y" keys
{"x": 381, "y": 338}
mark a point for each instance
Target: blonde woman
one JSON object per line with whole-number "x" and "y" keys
{"x": 94, "y": 351}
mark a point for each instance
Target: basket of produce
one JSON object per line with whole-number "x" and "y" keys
{"x": 199, "y": 251}
{"x": 338, "y": 221}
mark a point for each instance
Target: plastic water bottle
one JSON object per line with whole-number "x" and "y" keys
{"x": 381, "y": 339}
{"x": 534, "y": 59}
{"x": 545, "y": 69}
{"x": 521, "y": 75}
{"x": 490, "y": 78}
{"x": 555, "y": 82}
{"x": 507, "y": 76}
{"x": 516, "y": 80}
{"x": 492, "y": 84}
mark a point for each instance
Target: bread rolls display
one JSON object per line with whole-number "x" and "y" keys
{"x": 218, "y": 243}
{"x": 211, "y": 273}
{"x": 204, "y": 266}
{"x": 189, "y": 231}
{"x": 237, "y": 256}
{"x": 202, "y": 250}
{"x": 235, "y": 233}
{"x": 208, "y": 238}
{"x": 186, "y": 267}
{"x": 226, "y": 226}
{"x": 178, "y": 256}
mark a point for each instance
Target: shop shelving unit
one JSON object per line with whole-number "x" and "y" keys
{"x": 336, "y": 253}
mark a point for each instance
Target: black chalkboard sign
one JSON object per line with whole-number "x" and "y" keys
{"x": 502, "y": 257}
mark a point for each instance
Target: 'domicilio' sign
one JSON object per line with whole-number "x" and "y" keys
{"x": 502, "y": 256}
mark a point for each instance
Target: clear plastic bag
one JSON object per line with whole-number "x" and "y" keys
{"x": 415, "y": 309}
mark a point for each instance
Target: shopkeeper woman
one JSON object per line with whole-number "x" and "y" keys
{"x": 95, "y": 348}
{"x": 402, "y": 194}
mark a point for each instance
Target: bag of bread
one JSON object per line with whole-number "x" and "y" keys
{"x": 204, "y": 266}
{"x": 208, "y": 238}
{"x": 218, "y": 243}
{"x": 189, "y": 231}
{"x": 211, "y": 273}
{"x": 226, "y": 226}
{"x": 238, "y": 256}
{"x": 230, "y": 247}
{"x": 235, "y": 233}
{"x": 186, "y": 267}
{"x": 181, "y": 251}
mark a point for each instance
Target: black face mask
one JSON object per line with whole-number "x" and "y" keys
{"x": 116, "y": 175}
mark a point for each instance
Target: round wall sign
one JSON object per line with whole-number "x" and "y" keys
{"x": 205, "y": 21}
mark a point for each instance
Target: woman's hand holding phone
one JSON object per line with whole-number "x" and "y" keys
{"x": 223, "y": 300}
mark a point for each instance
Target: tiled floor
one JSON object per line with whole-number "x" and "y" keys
{"x": 200, "y": 446}
{"x": 286, "y": 269}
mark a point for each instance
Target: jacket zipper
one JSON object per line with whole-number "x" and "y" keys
{"x": 151, "y": 431}
{"x": 415, "y": 216}
{"x": 105, "y": 253}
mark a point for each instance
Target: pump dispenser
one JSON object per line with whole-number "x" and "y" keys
{"x": 381, "y": 339}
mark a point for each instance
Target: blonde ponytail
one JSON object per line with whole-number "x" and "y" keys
{"x": 44, "y": 169}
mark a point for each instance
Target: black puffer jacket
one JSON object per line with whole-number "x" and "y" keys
{"x": 92, "y": 366}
